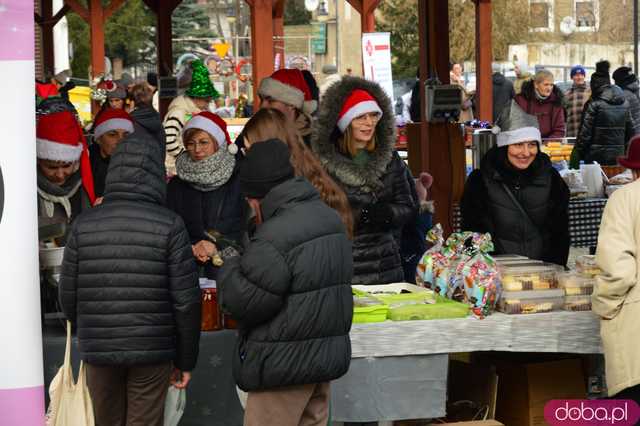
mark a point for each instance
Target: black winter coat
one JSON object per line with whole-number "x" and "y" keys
{"x": 382, "y": 182}
{"x": 630, "y": 91}
{"x": 128, "y": 277}
{"x": 222, "y": 210}
{"x": 503, "y": 92}
{"x": 487, "y": 207}
{"x": 290, "y": 293}
{"x": 606, "y": 127}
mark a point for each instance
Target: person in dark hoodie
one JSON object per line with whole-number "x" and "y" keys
{"x": 503, "y": 92}
{"x": 290, "y": 293}
{"x": 144, "y": 116}
{"x": 543, "y": 99}
{"x": 517, "y": 196}
{"x": 606, "y": 123}
{"x": 130, "y": 285}
{"x": 628, "y": 82}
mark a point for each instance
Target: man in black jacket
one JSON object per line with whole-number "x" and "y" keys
{"x": 290, "y": 293}
{"x": 628, "y": 82}
{"x": 129, "y": 282}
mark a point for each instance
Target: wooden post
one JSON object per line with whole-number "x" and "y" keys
{"x": 261, "y": 43}
{"x": 96, "y": 26}
{"x": 48, "y": 58}
{"x": 437, "y": 148}
{"x": 484, "y": 56}
{"x": 366, "y": 9}
{"x": 278, "y": 31}
{"x": 164, "y": 33}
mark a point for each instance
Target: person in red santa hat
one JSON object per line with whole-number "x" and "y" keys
{"x": 206, "y": 190}
{"x": 354, "y": 138}
{"x": 287, "y": 91}
{"x": 110, "y": 128}
{"x": 65, "y": 182}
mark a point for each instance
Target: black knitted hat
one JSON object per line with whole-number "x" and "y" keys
{"x": 623, "y": 76}
{"x": 601, "y": 77}
{"x": 266, "y": 165}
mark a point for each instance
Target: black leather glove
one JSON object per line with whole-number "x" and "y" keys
{"x": 379, "y": 215}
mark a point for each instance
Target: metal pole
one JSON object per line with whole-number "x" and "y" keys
{"x": 635, "y": 36}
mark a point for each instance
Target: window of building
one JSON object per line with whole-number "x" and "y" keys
{"x": 541, "y": 13}
{"x": 586, "y": 14}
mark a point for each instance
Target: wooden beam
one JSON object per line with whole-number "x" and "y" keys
{"x": 261, "y": 43}
{"x": 82, "y": 11}
{"x": 48, "y": 59}
{"x": 60, "y": 13}
{"x": 112, "y": 8}
{"x": 96, "y": 27}
{"x": 367, "y": 16}
{"x": 484, "y": 56}
{"x": 356, "y": 4}
{"x": 37, "y": 18}
{"x": 278, "y": 31}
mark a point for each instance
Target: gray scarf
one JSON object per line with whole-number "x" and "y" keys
{"x": 208, "y": 174}
{"x": 52, "y": 194}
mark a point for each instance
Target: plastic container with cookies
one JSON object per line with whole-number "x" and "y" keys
{"x": 587, "y": 266}
{"x": 577, "y": 303}
{"x": 531, "y": 302}
{"x": 575, "y": 284}
{"x": 530, "y": 276}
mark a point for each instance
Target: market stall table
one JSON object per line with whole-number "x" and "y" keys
{"x": 584, "y": 220}
{"x": 398, "y": 371}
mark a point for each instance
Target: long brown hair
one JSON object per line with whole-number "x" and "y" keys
{"x": 272, "y": 124}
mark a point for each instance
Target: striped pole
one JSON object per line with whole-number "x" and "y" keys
{"x": 21, "y": 377}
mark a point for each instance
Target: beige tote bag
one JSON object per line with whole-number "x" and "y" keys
{"x": 70, "y": 402}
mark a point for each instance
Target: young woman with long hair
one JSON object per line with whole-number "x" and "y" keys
{"x": 272, "y": 124}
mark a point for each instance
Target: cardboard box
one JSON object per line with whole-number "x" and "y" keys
{"x": 475, "y": 423}
{"x": 472, "y": 382}
{"x": 524, "y": 389}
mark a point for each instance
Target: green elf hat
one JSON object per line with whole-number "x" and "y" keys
{"x": 201, "y": 86}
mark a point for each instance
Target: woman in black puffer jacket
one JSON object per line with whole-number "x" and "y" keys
{"x": 354, "y": 139}
{"x": 518, "y": 197}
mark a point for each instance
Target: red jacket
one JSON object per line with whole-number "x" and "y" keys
{"x": 549, "y": 112}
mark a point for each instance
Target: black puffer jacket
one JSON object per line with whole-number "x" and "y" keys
{"x": 503, "y": 92}
{"x": 129, "y": 278}
{"x": 382, "y": 181}
{"x": 630, "y": 90}
{"x": 487, "y": 207}
{"x": 290, "y": 293}
{"x": 606, "y": 127}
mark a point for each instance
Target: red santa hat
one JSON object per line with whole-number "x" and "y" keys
{"x": 289, "y": 86}
{"x": 59, "y": 137}
{"x": 112, "y": 119}
{"x": 215, "y": 126}
{"x": 359, "y": 102}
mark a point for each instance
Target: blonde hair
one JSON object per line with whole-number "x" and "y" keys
{"x": 272, "y": 124}
{"x": 347, "y": 143}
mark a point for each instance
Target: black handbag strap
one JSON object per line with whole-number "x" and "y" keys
{"x": 518, "y": 205}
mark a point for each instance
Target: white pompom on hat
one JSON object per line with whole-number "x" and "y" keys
{"x": 215, "y": 126}
{"x": 112, "y": 119}
{"x": 359, "y": 102}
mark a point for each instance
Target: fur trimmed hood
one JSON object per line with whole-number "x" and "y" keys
{"x": 326, "y": 134}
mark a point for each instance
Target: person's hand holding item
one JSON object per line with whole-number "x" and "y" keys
{"x": 98, "y": 201}
{"x": 180, "y": 379}
{"x": 204, "y": 250}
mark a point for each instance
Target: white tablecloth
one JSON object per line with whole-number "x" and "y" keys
{"x": 562, "y": 332}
